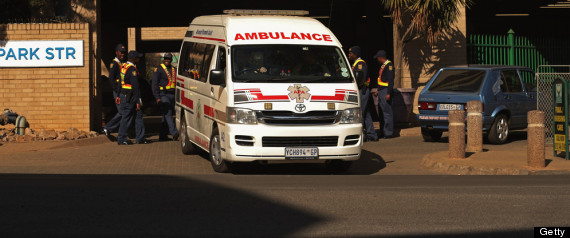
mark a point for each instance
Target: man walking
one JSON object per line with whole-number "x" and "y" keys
{"x": 163, "y": 87}
{"x": 115, "y": 77}
{"x": 130, "y": 100}
{"x": 385, "y": 88}
{"x": 360, "y": 70}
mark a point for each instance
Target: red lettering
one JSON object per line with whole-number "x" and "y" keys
{"x": 252, "y": 36}
{"x": 274, "y": 37}
{"x": 306, "y": 36}
{"x": 263, "y": 36}
{"x": 295, "y": 36}
{"x": 327, "y": 37}
{"x": 283, "y": 36}
{"x": 239, "y": 37}
{"x": 299, "y": 91}
{"x": 317, "y": 35}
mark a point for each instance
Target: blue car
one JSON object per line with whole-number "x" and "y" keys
{"x": 507, "y": 94}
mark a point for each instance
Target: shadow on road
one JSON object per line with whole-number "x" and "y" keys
{"x": 139, "y": 206}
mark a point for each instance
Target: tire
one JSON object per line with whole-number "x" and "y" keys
{"x": 499, "y": 132}
{"x": 338, "y": 166}
{"x": 218, "y": 163}
{"x": 187, "y": 147}
{"x": 432, "y": 135}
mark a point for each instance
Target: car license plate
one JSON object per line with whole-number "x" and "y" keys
{"x": 449, "y": 107}
{"x": 301, "y": 153}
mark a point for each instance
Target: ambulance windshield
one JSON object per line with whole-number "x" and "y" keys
{"x": 289, "y": 63}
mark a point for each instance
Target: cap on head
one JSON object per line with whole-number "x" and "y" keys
{"x": 133, "y": 54}
{"x": 356, "y": 50}
{"x": 381, "y": 53}
{"x": 121, "y": 48}
{"x": 168, "y": 56}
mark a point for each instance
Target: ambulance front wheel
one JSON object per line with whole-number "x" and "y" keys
{"x": 187, "y": 146}
{"x": 218, "y": 163}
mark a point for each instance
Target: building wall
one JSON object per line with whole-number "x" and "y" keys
{"x": 49, "y": 98}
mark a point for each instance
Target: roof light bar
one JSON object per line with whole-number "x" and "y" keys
{"x": 245, "y": 12}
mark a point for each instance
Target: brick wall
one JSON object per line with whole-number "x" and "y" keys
{"x": 49, "y": 98}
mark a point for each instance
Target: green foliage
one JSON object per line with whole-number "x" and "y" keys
{"x": 427, "y": 18}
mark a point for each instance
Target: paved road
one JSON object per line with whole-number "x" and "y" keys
{"x": 280, "y": 206}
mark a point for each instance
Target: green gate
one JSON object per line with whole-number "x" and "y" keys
{"x": 517, "y": 50}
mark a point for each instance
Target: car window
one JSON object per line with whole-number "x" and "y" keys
{"x": 458, "y": 80}
{"x": 512, "y": 81}
{"x": 195, "y": 60}
{"x": 529, "y": 80}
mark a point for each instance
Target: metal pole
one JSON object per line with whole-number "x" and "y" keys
{"x": 511, "y": 47}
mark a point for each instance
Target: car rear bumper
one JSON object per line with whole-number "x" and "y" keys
{"x": 441, "y": 122}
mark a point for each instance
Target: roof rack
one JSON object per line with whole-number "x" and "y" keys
{"x": 249, "y": 12}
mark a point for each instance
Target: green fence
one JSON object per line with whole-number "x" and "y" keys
{"x": 517, "y": 50}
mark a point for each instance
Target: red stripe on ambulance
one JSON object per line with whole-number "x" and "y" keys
{"x": 186, "y": 101}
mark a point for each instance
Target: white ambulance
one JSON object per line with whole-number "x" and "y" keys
{"x": 261, "y": 86}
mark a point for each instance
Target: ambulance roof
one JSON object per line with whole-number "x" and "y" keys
{"x": 267, "y": 29}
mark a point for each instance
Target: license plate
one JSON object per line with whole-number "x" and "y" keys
{"x": 449, "y": 107}
{"x": 301, "y": 153}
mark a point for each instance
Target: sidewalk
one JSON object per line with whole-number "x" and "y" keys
{"x": 495, "y": 162}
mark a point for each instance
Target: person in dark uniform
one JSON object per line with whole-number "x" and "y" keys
{"x": 163, "y": 87}
{"x": 115, "y": 77}
{"x": 360, "y": 71}
{"x": 130, "y": 100}
{"x": 384, "y": 92}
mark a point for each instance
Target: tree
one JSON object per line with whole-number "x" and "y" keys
{"x": 414, "y": 19}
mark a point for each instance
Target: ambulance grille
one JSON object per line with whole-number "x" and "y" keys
{"x": 292, "y": 118}
{"x": 321, "y": 141}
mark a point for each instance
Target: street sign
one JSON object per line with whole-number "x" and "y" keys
{"x": 561, "y": 116}
{"x": 47, "y": 53}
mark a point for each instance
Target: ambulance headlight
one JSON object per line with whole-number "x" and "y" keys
{"x": 241, "y": 116}
{"x": 351, "y": 116}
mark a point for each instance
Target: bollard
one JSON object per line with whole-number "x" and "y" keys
{"x": 535, "y": 141}
{"x": 456, "y": 134}
{"x": 474, "y": 126}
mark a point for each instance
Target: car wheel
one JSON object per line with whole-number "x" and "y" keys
{"x": 218, "y": 163}
{"x": 187, "y": 146}
{"x": 338, "y": 166}
{"x": 499, "y": 132}
{"x": 431, "y": 135}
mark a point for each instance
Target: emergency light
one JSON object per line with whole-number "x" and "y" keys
{"x": 246, "y": 12}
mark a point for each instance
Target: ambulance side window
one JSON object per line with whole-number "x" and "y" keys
{"x": 221, "y": 62}
{"x": 195, "y": 60}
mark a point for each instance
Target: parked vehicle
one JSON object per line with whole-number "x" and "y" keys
{"x": 507, "y": 94}
{"x": 254, "y": 87}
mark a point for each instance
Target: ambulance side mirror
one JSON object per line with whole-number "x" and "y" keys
{"x": 218, "y": 77}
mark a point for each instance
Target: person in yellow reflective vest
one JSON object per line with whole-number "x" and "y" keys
{"x": 360, "y": 71}
{"x": 131, "y": 103}
{"x": 163, "y": 88}
{"x": 114, "y": 78}
{"x": 384, "y": 92}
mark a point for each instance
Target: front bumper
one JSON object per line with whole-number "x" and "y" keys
{"x": 240, "y": 153}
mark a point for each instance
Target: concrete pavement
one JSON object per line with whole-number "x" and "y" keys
{"x": 405, "y": 155}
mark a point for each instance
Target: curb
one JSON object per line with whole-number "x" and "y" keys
{"x": 439, "y": 162}
{"x": 101, "y": 139}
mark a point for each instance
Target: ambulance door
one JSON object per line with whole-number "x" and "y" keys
{"x": 196, "y": 64}
{"x": 204, "y": 109}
